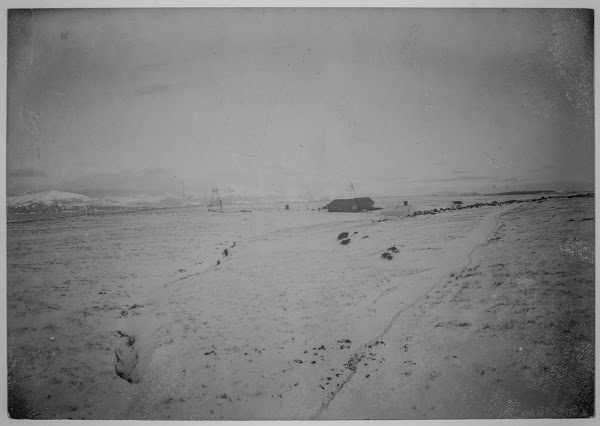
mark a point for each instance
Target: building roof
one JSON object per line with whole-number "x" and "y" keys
{"x": 366, "y": 200}
{"x": 341, "y": 201}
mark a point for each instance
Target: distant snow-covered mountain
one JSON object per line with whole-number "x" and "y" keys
{"x": 59, "y": 201}
{"x": 48, "y": 197}
{"x": 47, "y": 202}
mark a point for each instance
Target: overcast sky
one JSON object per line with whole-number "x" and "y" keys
{"x": 299, "y": 102}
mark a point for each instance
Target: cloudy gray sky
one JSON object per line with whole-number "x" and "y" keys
{"x": 299, "y": 102}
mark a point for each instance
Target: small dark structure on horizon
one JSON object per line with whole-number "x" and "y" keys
{"x": 353, "y": 205}
{"x": 215, "y": 203}
{"x": 456, "y": 204}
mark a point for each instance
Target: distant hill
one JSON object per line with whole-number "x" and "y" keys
{"x": 48, "y": 197}
{"x": 50, "y": 202}
{"x": 445, "y": 194}
{"x": 522, "y": 193}
{"x": 47, "y": 202}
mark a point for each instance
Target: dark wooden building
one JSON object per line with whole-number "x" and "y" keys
{"x": 353, "y": 205}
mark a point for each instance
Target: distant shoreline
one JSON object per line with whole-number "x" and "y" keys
{"x": 490, "y": 194}
{"x": 521, "y": 193}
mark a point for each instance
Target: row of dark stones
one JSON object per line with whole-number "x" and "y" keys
{"x": 496, "y": 203}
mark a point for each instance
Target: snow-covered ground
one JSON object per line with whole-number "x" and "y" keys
{"x": 179, "y": 314}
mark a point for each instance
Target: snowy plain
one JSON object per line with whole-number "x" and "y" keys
{"x": 185, "y": 314}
